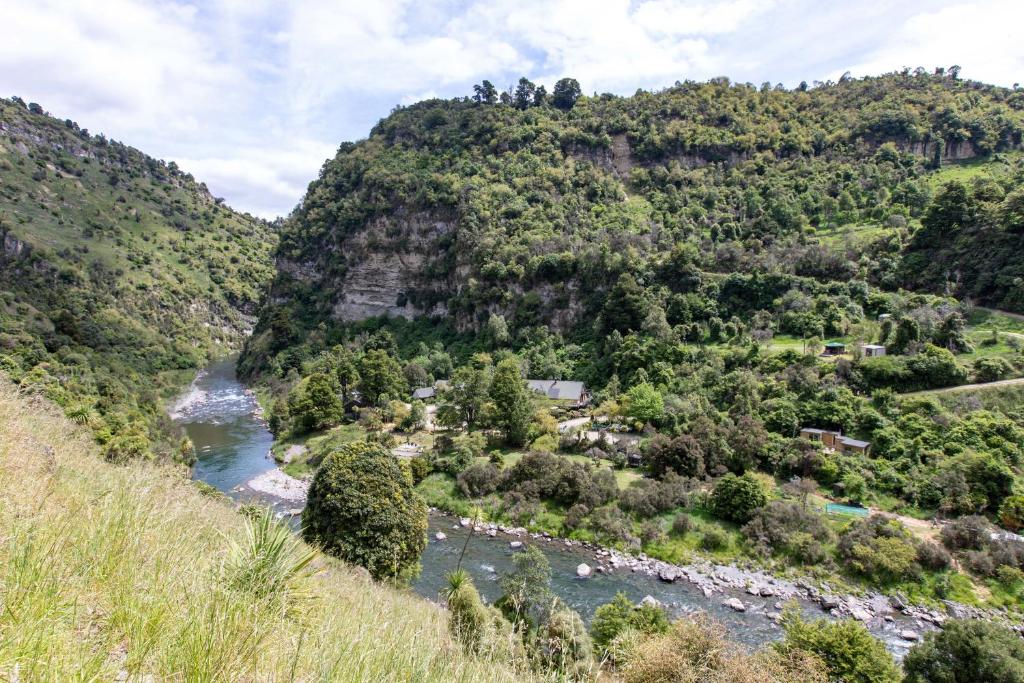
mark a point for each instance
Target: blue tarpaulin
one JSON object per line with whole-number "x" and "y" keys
{"x": 837, "y": 509}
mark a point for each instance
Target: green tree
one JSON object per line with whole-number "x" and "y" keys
{"x": 497, "y": 330}
{"x": 380, "y": 377}
{"x": 565, "y": 93}
{"x": 527, "y": 597}
{"x": 463, "y": 402}
{"x": 953, "y": 209}
{"x": 363, "y": 509}
{"x": 314, "y": 403}
{"x": 523, "y": 95}
{"x": 485, "y": 93}
{"x": 1011, "y": 212}
{"x": 513, "y": 402}
{"x": 966, "y": 651}
{"x": 735, "y": 498}
{"x": 850, "y": 653}
{"x": 626, "y": 307}
{"x": 644, "y": 403}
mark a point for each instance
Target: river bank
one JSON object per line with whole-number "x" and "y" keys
{"x": 233, "y": 449}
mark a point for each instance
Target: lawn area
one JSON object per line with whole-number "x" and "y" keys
{"x": 968, "y": 169}
{"x": 852, "y": 234}
{"x": 316, "y": 445}
{"x": 988, "y": 319}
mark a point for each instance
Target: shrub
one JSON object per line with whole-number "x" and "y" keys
{"x": 682, "y": 455}
{"x": 991, "y": 369}
{"x": 363, "y": 509}
{"x": 966, "y": 651}
{"x": 479, "y": 479}
{"x": 612, "y": 618}
{"x": 609, "y": 524}
{"x": 682, "y": 524}
{"x": 697, "y": 650}
{"x": 651, "y": 531}
{"x": 966, "y": 533}
{"x": 714, "y": 539}
{"x": 736, "y": 498}
{"x": 482, "y": 630}
{"x": 782, "y": 527}
{"x": 420, "y": 469}
{"x": 931, "y": 556}
{"x": 1011, "y": 513}
{"x": 879, "y": 548}
{"x": 648, "y": 497}
{"x": 564, "y": 645}
{"x": 850, "y": 653}
{"x": 269, "y": 564}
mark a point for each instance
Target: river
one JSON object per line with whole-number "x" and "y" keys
{"x": 232, "y": 446}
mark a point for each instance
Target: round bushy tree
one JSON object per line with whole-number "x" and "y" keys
{"x": 736, "y": 498}
{"x": 967, "y": 651}
{"x": 362, "y": 508}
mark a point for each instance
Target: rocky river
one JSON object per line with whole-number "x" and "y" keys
{"x": 232, "y": 443}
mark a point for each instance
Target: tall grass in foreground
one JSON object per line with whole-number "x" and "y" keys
{"x": 108, "y": 570}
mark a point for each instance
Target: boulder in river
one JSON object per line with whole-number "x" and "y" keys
{"x": 860, "y": 614}
{"x": 828, "y": 602}
{"x": 515, "y": 545}
{"x": 668, "y": 574}
{"x": 735, "y": 604}
{"x": 583, "y": 570}
{"x": 907, "y": 634}
{"x": 465, "y": 521}
{"x": 440, "y": 536}
{"x": 650, "y": 601}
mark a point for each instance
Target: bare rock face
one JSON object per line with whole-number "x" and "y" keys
{"x": 378, "y": 285}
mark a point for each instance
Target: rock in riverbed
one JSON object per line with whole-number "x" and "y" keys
{"x": 583, "y": 570}
{"x": 515, "y": 545}
{"x": 440, "y": 536}
{"x": 735, "y": 604}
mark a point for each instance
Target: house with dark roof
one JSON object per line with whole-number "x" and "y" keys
{"x": 569, "y": 391}
{"x": 423, "y": 393}
{"x": 835, "y": 441}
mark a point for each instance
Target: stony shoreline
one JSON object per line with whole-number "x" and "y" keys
{"x": 277, "y": 484}
{"x": 723, "y": 580}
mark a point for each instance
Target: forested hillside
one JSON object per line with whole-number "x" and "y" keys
{"x": 117, "y": 269}
{"x": 687, "y": 254}
{"x": 715, "y": 198}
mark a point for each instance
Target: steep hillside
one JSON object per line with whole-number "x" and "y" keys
{"x": 116, "y": 269}
{"x": 532, "y": 208}
{"x": 125, "y": 573}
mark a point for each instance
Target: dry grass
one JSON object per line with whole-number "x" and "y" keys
{"x": 117, "y": 571}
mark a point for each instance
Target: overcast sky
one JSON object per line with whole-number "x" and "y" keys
{"x": 253, "y": 96}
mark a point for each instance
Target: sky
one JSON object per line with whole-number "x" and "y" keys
{"x": 253, "y": 96}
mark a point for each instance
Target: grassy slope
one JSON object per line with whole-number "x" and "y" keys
{"x": 105, "y": 568}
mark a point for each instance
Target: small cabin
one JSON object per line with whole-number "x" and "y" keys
{"x": 835, "y": 441}
{"x": 872, "y": 350}
{"x": 423, "y": 394}
{"x": 835, "y": 348}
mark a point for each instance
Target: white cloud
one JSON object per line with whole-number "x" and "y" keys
{"x": 983, "y": 37}
{"x": 268, "y": 180}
